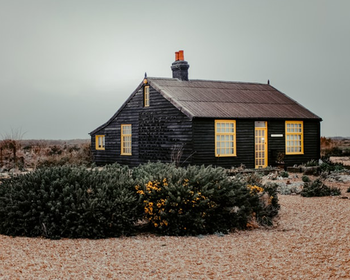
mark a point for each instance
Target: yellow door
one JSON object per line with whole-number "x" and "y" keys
{"x": 260, "y": 144}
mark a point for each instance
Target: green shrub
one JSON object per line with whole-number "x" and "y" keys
{"x": 335, "y": 151}
{"x": 75, "y": 202}
{"x": 69, "y": 202}
{"x": 199, "y": 200}
{"x": 318, "y": 188}
{"x": 312, "y": 162}
{"x": 328, "y": 166}
{"x": 305, "y": 179}
{"x": 284, "y": 174}
{"x": 253, "y": 178}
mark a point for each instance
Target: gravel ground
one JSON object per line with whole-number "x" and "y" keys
{"x": 311, "y": 240}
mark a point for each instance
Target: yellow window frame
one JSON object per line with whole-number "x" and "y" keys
{"x": 146, "y": 96}
{"x": 294, "y": 137}
{"x": 126, "y": 140}
{"x": 100, "y": 142}
{"x": 225, "y": 138}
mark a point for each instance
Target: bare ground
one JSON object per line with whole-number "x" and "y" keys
{"x": 311, "y": 239}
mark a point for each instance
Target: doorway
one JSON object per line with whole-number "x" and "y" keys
{"x": 261, "y": 144}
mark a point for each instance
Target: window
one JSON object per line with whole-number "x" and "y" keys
{"x": 294, "y": 138}
{"x": 146, "y": 96}
{"x": 100, "y": 142}
{"x": 126, "y": 139}
{"x": 225, "y": 138}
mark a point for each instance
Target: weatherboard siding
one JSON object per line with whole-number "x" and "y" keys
{"x": 155, "y": 131}
{"x": 277, "y": 144}
{"x": 204, "y": 144}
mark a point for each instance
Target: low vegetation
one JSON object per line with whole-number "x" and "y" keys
{"x": 69, "y": 202}
{"x": 33, "y": 154}
{"x": 335, "y": 147}
{"x": 62, "y": 197}
{"x": 75, "y": 202}
{"x": 318, "y": 188}
{"x": 200, "y": 200}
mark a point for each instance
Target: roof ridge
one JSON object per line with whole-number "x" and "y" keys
{"x": 211, "y": 81}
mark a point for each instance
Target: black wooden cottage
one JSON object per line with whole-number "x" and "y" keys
{"x": 207, "y": 122}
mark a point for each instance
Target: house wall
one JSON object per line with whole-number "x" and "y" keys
{"x": 312, "y": 144}
{"x": 204, "y": 143}
{"x": 156, "y": 130}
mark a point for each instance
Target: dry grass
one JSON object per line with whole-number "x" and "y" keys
{"x": 311, "y": 240}
{"x": 31, "y": 154}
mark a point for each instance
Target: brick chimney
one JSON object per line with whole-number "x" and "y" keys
{"x": 180, "y": 67}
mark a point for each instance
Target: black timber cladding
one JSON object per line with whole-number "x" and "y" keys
{"x": 311, "y": 141}
{"x": 156, "y": 131}
{"x": 184, "y": 113}
{"x": 204, "y": 144}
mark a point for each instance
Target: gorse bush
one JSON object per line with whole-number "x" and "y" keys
{"x": 75, "y": 202}
{"x": 305, "y": 179}
{"x": 284, "y": 174}
{"x": 312, "y": 162}
{"x": 328, "y": 166}
{"x": 199, "y": 200}
{"x": 318, "y": 188}
{"x": 69, "y": 202}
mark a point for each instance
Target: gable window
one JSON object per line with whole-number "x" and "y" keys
{"x": 100, "y": 142}
{"x": 225, "y": 138}
{"x": 146, "y": 96}
{"x": 125, "y": 139}
{"x": 294, "y": 137}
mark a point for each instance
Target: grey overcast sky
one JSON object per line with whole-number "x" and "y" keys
{"x": 66, "y": 66}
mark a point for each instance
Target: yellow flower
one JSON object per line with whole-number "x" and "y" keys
{"x": 270, "y": 200}
{"x": 185, "y": 183}
{"x": 255, "y": 189}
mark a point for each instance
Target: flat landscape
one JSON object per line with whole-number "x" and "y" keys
{"x": 309, "y": 241}
{"x": 310, "y": 238}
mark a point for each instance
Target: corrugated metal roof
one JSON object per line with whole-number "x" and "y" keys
{"x": 217, "y": 99}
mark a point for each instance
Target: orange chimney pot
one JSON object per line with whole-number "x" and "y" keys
{"x": 181, "y": 55}
{"x": 176, "y": 56}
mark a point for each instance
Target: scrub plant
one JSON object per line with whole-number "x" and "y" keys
{"x": 69, "y": 202}
{"x": 76, "y": 202}
{"x": 199, "y": 200}
{"x": 318, "y": 188}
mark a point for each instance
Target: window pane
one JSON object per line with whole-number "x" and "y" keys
{"x": 224, "y": 135}
{"x": 294, "y": 137}
{"x": 126, "y": 139}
